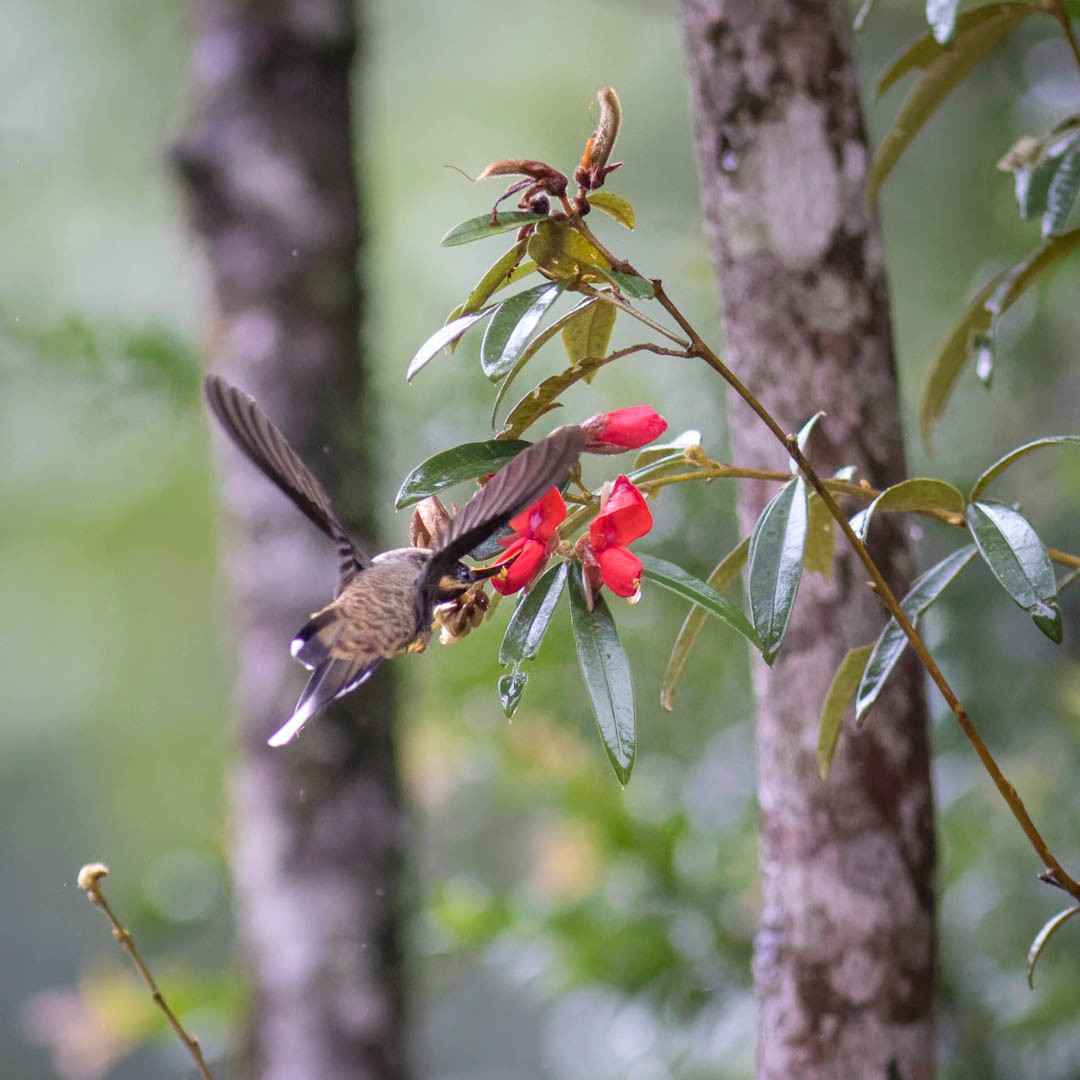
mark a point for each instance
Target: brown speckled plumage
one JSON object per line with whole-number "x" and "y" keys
{"x": 383, "y": 606}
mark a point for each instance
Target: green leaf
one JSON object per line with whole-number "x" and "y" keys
{"x": 1043, "y": 936}
{"x": 606, "y": 672}
{"x": 673, "y": 451}
{"x": 841, "y": 688}
{"x": 724, "y": 574}
{"x": 692, "y": 588}
{"x": 613, "y": 205}
{"x": 820, "y": 538}
{"x": 977, "y": 34}
{"x": 1061, "y": 191}
{"x": 1016, "y": 556}
{"x": 989, "y": 303}
{"x": 1013, "y": 456}
{"x": 512, "y": 326}
{"x": 941, "y": 15}
{"x": 532, "y": 616}
{"x": 588, "y": 334}
{"x": 506, "y": 269}
{"x": 478, "y": 227}
{"x": 918, "y": 493}
{"x": 465, "y": 462}
{"x": 776, "y": 563}
{"x": 632, "y": 285}
{"x": 892, "y": 641}
{"x": 534, "y": 347}
{"x": 526, "y": 631}
{"x": 442, "y": 337}
{"x": 803, "y": 439}
{"x": 544, "y": 398}
{"x": 563, "y": 252}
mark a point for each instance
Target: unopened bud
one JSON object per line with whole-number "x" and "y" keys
{"x": 622, "y": 429}
{"x": 594, "y": 166}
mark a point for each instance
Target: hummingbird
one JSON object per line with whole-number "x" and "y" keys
{"x": 384, "y": 605}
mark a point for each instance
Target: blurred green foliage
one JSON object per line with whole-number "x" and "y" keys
{"x": 569, "y": 928}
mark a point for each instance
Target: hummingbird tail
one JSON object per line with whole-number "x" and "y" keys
{"x": 330, "y": 680}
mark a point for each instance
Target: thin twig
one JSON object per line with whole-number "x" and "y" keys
{"x": 89, "y": 881}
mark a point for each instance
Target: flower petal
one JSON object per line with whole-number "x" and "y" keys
{"x": 530, "y": 557}
{"x": 540, "y": 520}
{"x": 624, "y": 517}
{"x": 621, "y": 570}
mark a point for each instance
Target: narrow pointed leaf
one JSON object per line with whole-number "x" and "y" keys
{"x": 1043, "y": 936}
{"x": 606, "y": 672}
{"x": 977, "y": 34}
{"x": 692, "y": 588}
{"x": 442, "y": 337}
{"x": 841, "y": 688}
{"x": 1013, "y": 456}
{"x": 632, "y": 285}
{"x": 992, "y": 300}
{"x": 803, "y": 439}
{"x": 892, "y": 641}
{"x": 563, "y": 252}
{"x": 466, "y": 462}
{"x": 776, "y": 563}
{"x": 918, "y": 493}
{"x": 525, "y": 632}
{"x": 1016, "y": 556}
{"x": 724, "y": 574}
{"x": 820, "y": 539}
{"x": 502, "y": 272}
{"x": 674, "y": 450}
{"x": 544, "y": 398}
{"x": 512, "y": 326}
{"x": 613, "y": 205}
{"x": 1061, "y": 191}
{"x": 532, "y": 616}
{"x": 533, "y": 348}
{"x": 588, "y": 334}
{"x": 478, "y": 227}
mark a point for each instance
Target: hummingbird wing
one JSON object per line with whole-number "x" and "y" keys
{"x": 251, "y": 429}
{"x": 515, "y": 487}
{"x": 330, "y": 680}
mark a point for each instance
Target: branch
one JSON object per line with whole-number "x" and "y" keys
{"x": 1055, "y": 872}
{"x": 89, "y": 881}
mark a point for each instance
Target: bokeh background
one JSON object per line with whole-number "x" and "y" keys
{"x": 562, "y": 927}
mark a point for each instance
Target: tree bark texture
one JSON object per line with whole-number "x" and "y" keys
{"x": 844, "y": 960}
{"x": 268, "y": 171}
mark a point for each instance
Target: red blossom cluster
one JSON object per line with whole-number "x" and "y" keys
{"x": 623, "y": 517}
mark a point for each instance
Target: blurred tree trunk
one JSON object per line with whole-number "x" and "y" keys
{"x": 844, "y": 960}
{"x": 268, "y": 172}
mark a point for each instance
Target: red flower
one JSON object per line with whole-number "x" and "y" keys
{"x": 623, "y": 429}
{"x": 623, "y": 518}
{"x": 527, "y": 553}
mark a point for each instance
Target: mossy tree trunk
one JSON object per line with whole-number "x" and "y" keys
{"x": 844, "y": 959}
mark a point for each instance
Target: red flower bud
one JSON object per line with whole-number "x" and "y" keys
{"x": 623, "y": 429}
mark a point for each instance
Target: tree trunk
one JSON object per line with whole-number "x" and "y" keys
{"x": 268, "y": 172}
{"x": 844, "y": 960}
